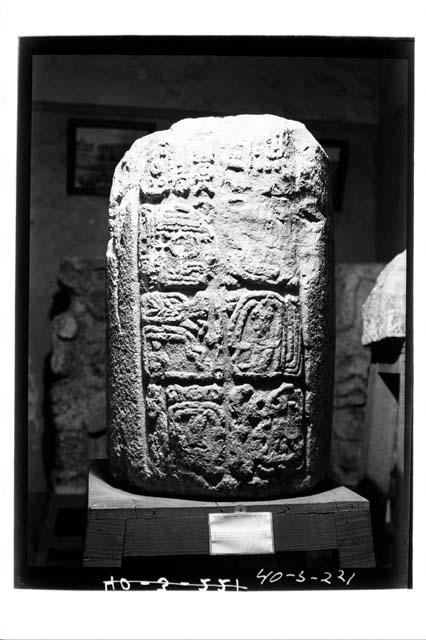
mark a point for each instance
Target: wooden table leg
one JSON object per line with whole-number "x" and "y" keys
{"x": 354, "y": 539}
{"x": 104, "y": 543}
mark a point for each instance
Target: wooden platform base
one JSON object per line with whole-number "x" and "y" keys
{"x": 122, "y": 524}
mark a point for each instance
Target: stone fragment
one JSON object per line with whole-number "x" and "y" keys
{"x": 67, "y": 328}
{"x": 220, "y": 310}
{"x": 384, "y": 311}
{"x": 77, "y": 363}
{"x": 354, "y": 282}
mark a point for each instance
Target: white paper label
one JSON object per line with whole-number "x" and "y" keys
{"x": 241, "y": 532}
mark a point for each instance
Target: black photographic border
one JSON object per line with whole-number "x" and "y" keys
{"x": 353, "y": 47}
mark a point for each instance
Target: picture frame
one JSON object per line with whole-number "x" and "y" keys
{"x": 95, "y": 147}
{"x": 338, "y": 154}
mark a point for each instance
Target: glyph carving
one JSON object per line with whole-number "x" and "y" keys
{"x": 220, "y": 322}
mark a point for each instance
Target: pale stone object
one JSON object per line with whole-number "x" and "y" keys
{"x": 220, "y": 318}
{"x": 384, "y": 311}
{"x": 354, "y": 282}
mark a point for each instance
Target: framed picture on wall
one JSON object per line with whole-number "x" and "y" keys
{"x": 337, "y": 151}
{"x": 94, "y": 149}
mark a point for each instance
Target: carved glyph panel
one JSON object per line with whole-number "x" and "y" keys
{"x": 198, "y": 337}
{"x": 220, "y": 316}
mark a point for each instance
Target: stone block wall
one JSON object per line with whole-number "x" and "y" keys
{"x": 353, "y": 285}
{"x": 77, "y": 365}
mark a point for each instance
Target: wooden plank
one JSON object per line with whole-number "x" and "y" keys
{"x": 347, "y": 500}
{"x": 304, "y": 531}
{"x": 187, "y": 535}
{"x": 190, "y": 534}
{"x": 403, "y": 484}
{"x": 106, "y": 500}
{"x": 104, "y": 496}
{"x": 389, "y": 367}
{"x": 381, "y": 416}
{"x": 354, "y": 540}
{"x": 123, "y": 523}
{"x": 104, "y": 543}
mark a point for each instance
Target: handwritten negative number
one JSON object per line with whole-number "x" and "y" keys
{"x": 271, "y": 577}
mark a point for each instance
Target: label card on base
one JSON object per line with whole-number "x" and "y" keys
{"x": 241, "y": 532}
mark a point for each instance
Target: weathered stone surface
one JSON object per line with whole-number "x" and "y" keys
{"x": 220, "y": 310}
{"x": 384, "y": 311}
{"x": 354, "y": 282}
{"x": 77, "y": 388}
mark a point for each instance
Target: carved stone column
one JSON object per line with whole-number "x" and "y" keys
{"x": 220, "y": 310}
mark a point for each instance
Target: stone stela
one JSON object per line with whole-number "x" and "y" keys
{"x": 220, "y": 310}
